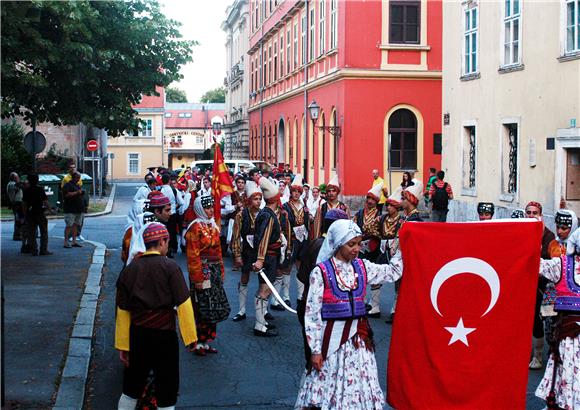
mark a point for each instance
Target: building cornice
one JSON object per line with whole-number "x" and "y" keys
{"x": 353, "y": 74}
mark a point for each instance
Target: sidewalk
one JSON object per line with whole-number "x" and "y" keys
{"x": 42, "y": 296}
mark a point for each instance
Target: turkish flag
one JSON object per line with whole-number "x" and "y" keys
{"x": 463, "y": 329}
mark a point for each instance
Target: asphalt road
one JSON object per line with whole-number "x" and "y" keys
{"x": 248, "y": 372}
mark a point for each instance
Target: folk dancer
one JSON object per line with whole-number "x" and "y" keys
{"x": 390, "y": 225}
{"x": 242, "y": 244}
{"x": 151, "y": 290}
{"x": 343, "y": 373}
{"x": 303, "y": 275}
{"x": 332, "y": 202}
{"x": 268, "y": 241}
{"x": 485, "y": 211}
{"x": 143, "y": 191}
{"x": 560, "y": 386}
{"x": 157, "y": 210}
{"x": 298, "y": 219}
{"x": 410, "y": 200}
{"x": 534, "y": 210}
{"x": 368, "y": 220}
{"x": 206, "y": 274}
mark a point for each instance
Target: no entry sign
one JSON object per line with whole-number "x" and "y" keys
{"x": 92, "y": 145}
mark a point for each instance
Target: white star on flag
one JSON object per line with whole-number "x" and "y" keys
{"x": 459, "y": 333}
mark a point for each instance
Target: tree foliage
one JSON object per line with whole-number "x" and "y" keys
{"x": 175, "y": 95}
{"x": 67, "y": 62}
{"x": 217, "y": 95}
{"x": 14, "y": 156}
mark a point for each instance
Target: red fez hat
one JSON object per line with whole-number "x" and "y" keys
{"x": 154, "y": 232}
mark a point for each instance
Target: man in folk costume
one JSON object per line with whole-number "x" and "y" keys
{"x": 410, "y": 200}
{"x": 560, "y": 386}
{"x": 298, "y": 218}
{"x": 143, "y": 192}
{"x": 332, "y": 202}
{"x": 390, "y": 225}
{"x": 343, "y": 373}
{"x": 368, "y": 220}
{"x": 268, "y": 241}
{"x": 151, "y": 290}
{"x": 158, "y": 209}
{"x": 242, "y": 244}
{"x": 485, "y": 211}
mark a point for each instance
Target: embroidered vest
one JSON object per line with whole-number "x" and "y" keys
{"x": 339, "y": 304}
{"x": 567, "y": 290}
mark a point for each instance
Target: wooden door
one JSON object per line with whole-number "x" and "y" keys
{"x": 573, "y": 174}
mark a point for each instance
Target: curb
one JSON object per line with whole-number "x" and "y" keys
{"x": 71, "y": 391}
{"x": 108, "y": 209}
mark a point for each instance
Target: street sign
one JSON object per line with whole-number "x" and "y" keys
{"x": 92, "y": 145}
{"x": 34, "y": 142}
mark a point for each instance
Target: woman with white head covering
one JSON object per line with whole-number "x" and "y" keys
{"x": 560, "y": 386}
{"x": 343, "y": 372}
{"x": 206, "y": 274}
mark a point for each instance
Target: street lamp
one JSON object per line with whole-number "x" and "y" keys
{"x": 314, "y": 110}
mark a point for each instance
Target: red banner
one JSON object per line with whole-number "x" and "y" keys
{"x": 221, "y": 182}
{"x": 463, "y": 328}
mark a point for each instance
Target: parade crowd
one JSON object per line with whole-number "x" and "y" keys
{"x": 276, "y": 227}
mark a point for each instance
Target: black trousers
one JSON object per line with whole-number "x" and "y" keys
{"x": 301, "y": 310}
{"x": 157, "y": 350}
{"x": 34, "y": 222}
{"x": 172, "y": 229}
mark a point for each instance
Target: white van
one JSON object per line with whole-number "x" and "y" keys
{"x": 234, "y": 165}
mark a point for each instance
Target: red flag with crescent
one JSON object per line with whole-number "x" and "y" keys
{"x": 463, "y": 327}
{"x": 221, "y": 183}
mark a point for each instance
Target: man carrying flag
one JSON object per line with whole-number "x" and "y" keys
{"x": 222, "y": 187}
{"x": 461, "y": 338}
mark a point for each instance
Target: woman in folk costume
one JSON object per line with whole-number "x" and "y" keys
{"x": 298, "y": 218}
{"x": 560, "y": 386}
{"x": 343, "y": 374}
{"x": 332, "y": 202}
{"x": 242, "y": 244}
{"x": 368, "y": 220}
{"x": 206, "y": 274}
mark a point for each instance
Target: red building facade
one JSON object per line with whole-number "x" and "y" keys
{"x": 373, "y": 67}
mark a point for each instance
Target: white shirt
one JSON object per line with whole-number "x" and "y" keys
{"x": 142, "y": 193}
{"x": 204, "y": 192}
{"x": 226, "y": 206}
{"x": 186, "y": 202}
{"x": 168, "y": 192}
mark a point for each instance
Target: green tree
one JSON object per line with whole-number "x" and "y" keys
{"x": 13, "y": 155}
{"x": 217, "y": 95}
{"x": 175, "y": 95}
{"x": 67, "y": 62}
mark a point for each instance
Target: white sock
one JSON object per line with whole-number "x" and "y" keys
{"x": 300, "y": 288}
{"x": 243, "y": 296}
{"x": 126, "y": 403}
{"x": 286, "y": 287}
{"x": 375, "y": 300}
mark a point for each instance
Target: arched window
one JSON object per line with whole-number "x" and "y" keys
{"x": 322, "y": 137}
{"x": 335, "y": 143}
{"x": 403, "y": 140}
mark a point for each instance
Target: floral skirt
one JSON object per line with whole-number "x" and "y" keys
{"x": 567, "y": 384}
{"x": 348, "y": 380}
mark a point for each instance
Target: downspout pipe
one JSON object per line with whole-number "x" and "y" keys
{"x": 306, "y": 119}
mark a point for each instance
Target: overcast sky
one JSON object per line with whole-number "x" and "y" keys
{"x": 201, "y": 21}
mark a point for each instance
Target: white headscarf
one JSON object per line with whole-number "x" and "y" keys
{"x": 201, "y": 215}
{"x": 339, "y": 233}
{"x": 137, "y": 243}
{"x": 134, "y": 212}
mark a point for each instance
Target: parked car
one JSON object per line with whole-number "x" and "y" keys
{"x": 234, "y": 165}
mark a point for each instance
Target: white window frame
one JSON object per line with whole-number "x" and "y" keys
{"x": 281, "y": 54}
{"x": 469, "y": 33}
{"x": 321, "y": 27}
{"x": 303, "y": 39}
{"x": 510, "y": 18}
{"x": 146, "y": 131}
{"x": 295, "y": 44}
{"x": 333, "y": 24}
{"x": 129, "y": 163}
{"x": 168, "y": 115}
{"x": 275, "y": 61}
{"x": 565, "y": 49}
{"x": 466, "y": 190}
{"x": 187, "y": 115}
{"x": 312, "y": 34}
{"x": 288, "y": 49}
{"x": 181, "y": 115}
{"x": 504, "y": 195}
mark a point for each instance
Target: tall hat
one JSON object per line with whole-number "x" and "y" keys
{"x": 334, "y": 183}
{"x": 271, "y": 192}
{"x": 252, "y": 189}
{"x": 414, "y": 192}
{"x": 485, "y": 207}
{"x": 395, "y": 198}
{"x": 296, "y": 183}
{"x": 375, "y": 192}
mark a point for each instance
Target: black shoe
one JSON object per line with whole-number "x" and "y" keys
{"x": 278, "y": 307}
{"x": 368, "y": 307}
{"x": 25, "y": 249}
{"x": 239, "y": 317}
{"x": 287, "y": 301}
{"x": 268, "y": 316}
{"x": 390, "y": 318}
{"x": 267, "y": 333}
{"x": 271, "y": 326}
{"x": 34, "y": 253}
{"x": 374, "y": 315}
{"x": 45, "y": 253}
